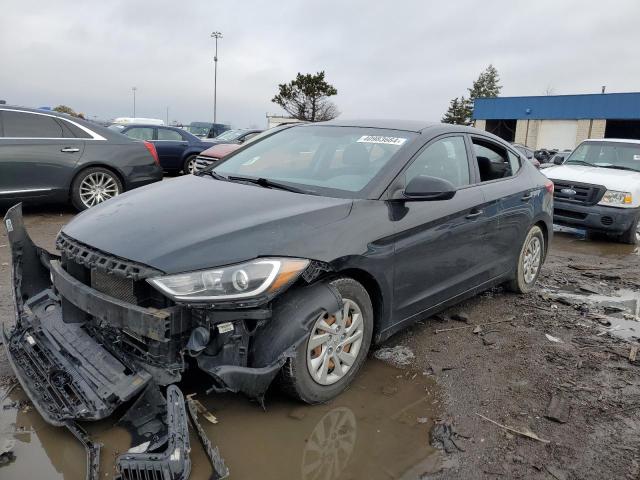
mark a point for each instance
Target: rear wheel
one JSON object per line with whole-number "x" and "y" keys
{"x": 632, "y": 236}
{"x": 189, "y": 165}
{"x": 335, "y": 349}
{"x": 529, "y": 261}
{"x": 93, "y": 186}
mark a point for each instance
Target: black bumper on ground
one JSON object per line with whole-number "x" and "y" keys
{"x": 594, "y": 217}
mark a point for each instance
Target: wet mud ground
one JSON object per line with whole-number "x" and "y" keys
{"x": 425, "y": 408}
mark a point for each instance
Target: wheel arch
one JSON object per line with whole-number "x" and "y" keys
{"x": 374, "y": 290}
{"x": 545, "y": 234}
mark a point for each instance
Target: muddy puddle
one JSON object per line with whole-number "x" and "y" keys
{"x": 617, "y": 311}
{"x": 379, "y": 428}
{"x": 572, "y": 241}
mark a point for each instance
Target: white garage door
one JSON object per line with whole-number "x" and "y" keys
{"x": 558, "y": 134}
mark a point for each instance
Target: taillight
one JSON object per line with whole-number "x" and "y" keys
{"x": 549, "y": 186}
{"x": 152, "y": 150}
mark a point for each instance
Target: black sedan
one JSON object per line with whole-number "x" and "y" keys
{"x": 325, "y": 239}
{"x": 50, "y": 157}
{"x": 177, "y": 149}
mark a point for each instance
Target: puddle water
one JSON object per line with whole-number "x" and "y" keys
{"x": 571, "y": 241}
{"x": 379, "y": 428}
{"x": 618, "y": 310}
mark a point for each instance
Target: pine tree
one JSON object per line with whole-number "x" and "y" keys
{"x": 458, "y": 112}
{"x": 487, "y": 85}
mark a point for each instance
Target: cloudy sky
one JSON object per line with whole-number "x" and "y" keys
{"x": 400, "y": 59}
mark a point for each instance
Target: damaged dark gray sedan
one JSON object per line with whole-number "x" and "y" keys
{"x": 286, "y": 261}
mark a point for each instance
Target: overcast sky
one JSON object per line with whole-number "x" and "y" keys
{"x": 393, "y": 59}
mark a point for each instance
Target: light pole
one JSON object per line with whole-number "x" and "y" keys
{"x": 133, "y": 89}
{"x": 215, "y": 35}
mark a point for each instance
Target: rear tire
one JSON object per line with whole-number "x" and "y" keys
{"x": 189, "y": 165}
{"x": 296, "y": 377}
{"x": 631, "y": 236}
{"x": 93, "y": 186}
{"x": 529, "y": 262}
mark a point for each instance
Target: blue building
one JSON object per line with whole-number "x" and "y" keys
{"x": 560, "y": 121}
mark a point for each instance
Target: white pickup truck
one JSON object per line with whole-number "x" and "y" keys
{"x": 598, "y": 188}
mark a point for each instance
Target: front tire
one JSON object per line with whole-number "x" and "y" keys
{"x": 335, "y": 348}
{"x": 93, "y": 186}
{"x": 529, "y": 262}
{"x": 631, "y": 236}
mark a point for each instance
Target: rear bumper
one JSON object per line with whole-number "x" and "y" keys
{"x": 594, "y": 217}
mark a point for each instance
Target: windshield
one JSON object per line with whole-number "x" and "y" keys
{"x": 201, "y": 130}
{"x": 341, "y": 160}
{"x": 607, "y": 154}
{"x": 230, "y": 135}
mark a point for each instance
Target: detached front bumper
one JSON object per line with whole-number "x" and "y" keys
{"x": 64, "y": 371}
{"x": 594, "y": 217}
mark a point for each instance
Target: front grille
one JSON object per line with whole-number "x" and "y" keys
{"x": 114, "y": 286}
{"x": 93, "y": 258}
{"x": 578, "y": 193}
{"x": 569, "y": 214}
{"x": 203, "y": 162}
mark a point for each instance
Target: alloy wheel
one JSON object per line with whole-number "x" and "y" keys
{"x": 191, "y": 166}
{"x": 97, "y": 187}
{"x": 334, "y": 343}
{"x": 532, "y": 259}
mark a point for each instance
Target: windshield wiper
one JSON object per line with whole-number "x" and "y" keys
{"x": 619, "y": 167}
{"x": 265, "y": 182}
{"x": 581, "y": 162}
{"x": 213, "y": 174}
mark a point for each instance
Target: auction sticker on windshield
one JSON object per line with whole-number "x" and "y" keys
{"x": 381, "y": 139}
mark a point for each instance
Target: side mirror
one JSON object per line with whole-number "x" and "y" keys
{"x": 424, "y": 188}
{"x": 558, "y": 160}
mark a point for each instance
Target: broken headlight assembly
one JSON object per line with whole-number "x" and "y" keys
{"x": 262, "y": 276}
{"x": 611, "y": 197}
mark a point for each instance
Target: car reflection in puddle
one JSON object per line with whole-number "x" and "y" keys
{"x": 379, "y": 428}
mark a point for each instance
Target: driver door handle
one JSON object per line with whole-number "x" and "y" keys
{"x": 70, "y": 150}
{"x": 527, "y": 197}
{"x": 475, "y": 213}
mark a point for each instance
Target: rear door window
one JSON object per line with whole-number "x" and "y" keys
{"x": 493, "y": 160}
{"x": 30, "y": 125}
{"x": 140, "y": 133}
{"x": 171, "y": 135}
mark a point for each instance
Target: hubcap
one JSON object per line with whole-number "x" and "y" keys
{"x": 97, "y": 187}
{"x": 531, "y": 260}
{"x": 334, "y": 343}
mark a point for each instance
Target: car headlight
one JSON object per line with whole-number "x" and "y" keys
{"x": 611, "y": 197}
{"x": 245, "y": 280}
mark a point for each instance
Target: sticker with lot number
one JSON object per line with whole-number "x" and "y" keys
{"x": 636, "y": 157}
{"x": 381, "y": 139}
{"x": 9, "y": 225}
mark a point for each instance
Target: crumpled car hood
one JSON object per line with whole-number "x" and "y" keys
{"x": 194, "y": 222}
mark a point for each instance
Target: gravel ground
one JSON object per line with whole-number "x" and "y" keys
{"x": 557, "y": 346}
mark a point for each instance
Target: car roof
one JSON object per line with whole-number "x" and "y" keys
{"x": 390, "y": 124}
{"x": 616, "y": 140}
{"x": 150, "y": 125}
{"x": 96, "y": 127}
